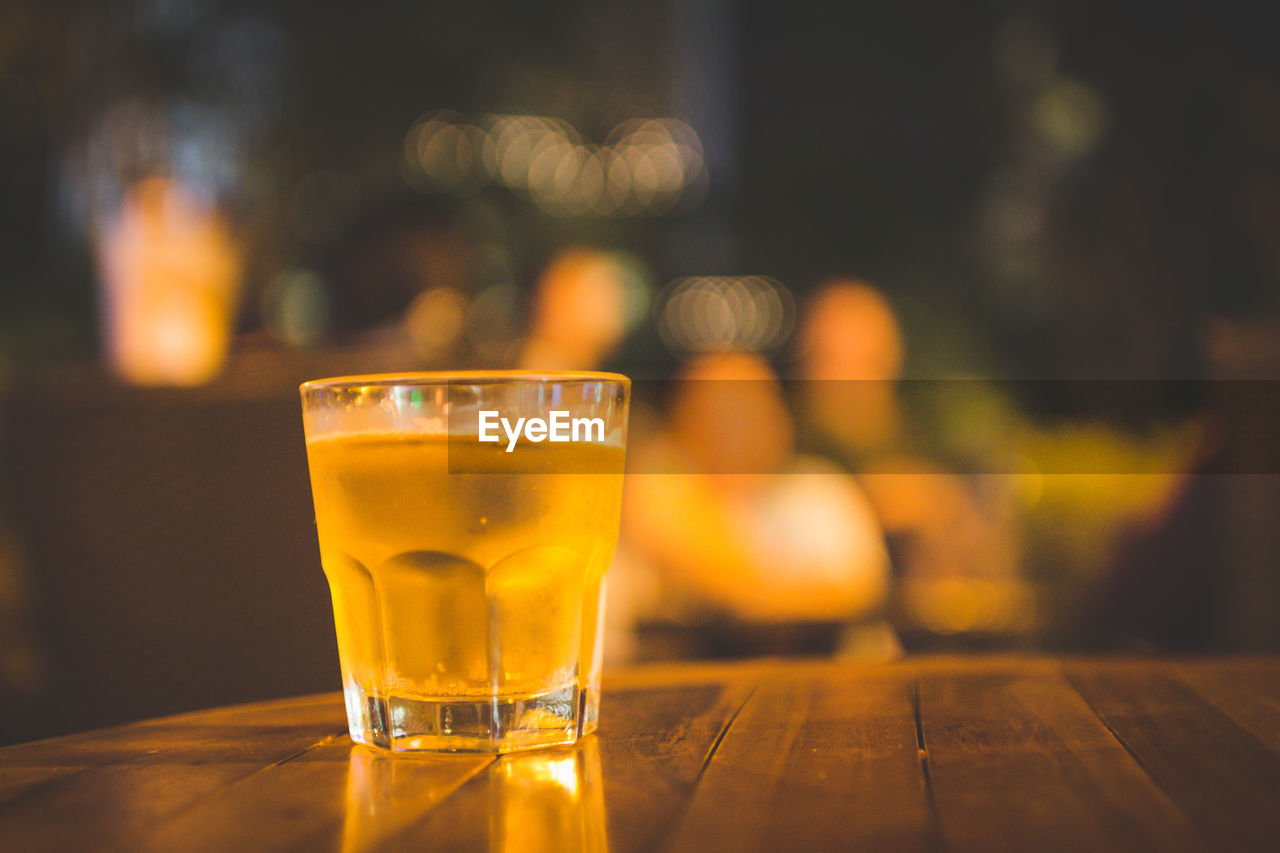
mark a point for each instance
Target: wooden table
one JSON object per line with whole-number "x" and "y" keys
{"x": 932, "y": 754}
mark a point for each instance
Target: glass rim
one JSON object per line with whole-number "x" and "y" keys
{"x": 427, "y": 378}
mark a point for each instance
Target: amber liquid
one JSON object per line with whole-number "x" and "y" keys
{"x": 452, "y": 585}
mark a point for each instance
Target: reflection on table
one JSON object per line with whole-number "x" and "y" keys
{"x": 547, "y": 800}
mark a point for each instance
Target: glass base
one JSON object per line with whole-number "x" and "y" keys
{"x": 489, "y": 724}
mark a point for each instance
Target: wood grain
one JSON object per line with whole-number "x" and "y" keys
{"x": 1247, "y": 691}
{"x": 1224, "y": 778}
{"x": 814, "y": 764}
{"x": 337, "y": 796}
{"x": 1018, "y": 761}
{"x": 18, "y": 779}
{"x": 132, "y": 777}
{"x": 934, "y": 754}
{"x": 628, "y": 782}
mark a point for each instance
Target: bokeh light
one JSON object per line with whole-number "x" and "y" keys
{"x": 645, "y": 167}
{"x": 296, "y": 307}
{"x": 958, "y": 605}
{"x": 1070, "y": 117}
{"x": 435, "y": 319}
{"x": 715, "y": 313}
{"x": 170, "y": 276}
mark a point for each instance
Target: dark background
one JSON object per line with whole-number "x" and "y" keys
{"x": 892, "y": 140}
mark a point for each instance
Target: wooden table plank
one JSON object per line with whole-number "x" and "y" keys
{"x": 631, "y": 777}
{"x": 160, "y": 740}
{"x": 1221, "y": 775}
{"x": 822, "y": 755}
{"x": 1247, "y": 691}
{"x": 1018, "y": 761}
{"x": 16, "y": 780}
{"x": 815, "y": 763}
{"x": 339, "y": 796}
{"x": 112, "y": 807}
{"x": 531, "y": 801}
{"x": 322, "y": 711}
{"x": 134, "y": 776}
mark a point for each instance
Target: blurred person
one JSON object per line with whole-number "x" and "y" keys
{"x": 578, "y": 314}
{"x": 738, "y": 530}
{"x": 851, "y": 348}
{"x": 945, "y": 541}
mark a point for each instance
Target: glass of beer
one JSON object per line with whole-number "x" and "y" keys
{"x": 466, "y": 521}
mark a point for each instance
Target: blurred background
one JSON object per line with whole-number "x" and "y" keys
{"x": 977, "y": 302}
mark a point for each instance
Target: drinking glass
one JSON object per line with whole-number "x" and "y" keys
{"x": 466, "y": 521}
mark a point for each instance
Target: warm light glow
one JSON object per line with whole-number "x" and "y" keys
{"x": 434, "y": 320}
{"x": 584, "y": 302}
{"x": 560, "y": 772}
{"x": 851, "y": 332}
{"x": 645, "y": 167}
{"x": 957, "y": 605}
{"x": 548, "y": 802}
{"x": 714, "y": 313}
{"x": 170, "y": 276}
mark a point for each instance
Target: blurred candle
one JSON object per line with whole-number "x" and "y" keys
{"x": 170, "y": 275}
